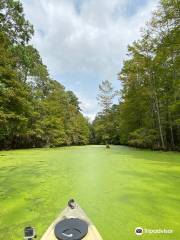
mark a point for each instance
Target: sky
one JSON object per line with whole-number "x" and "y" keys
{"x": 84, "y": 42}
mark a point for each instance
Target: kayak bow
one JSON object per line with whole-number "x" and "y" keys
{"x": 72, "y": 224}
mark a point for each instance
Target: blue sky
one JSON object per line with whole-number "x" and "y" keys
{"x": 83, "y": 42}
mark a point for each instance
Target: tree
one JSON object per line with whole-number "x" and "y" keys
{"x": 13, "y": 23}
{"x": 14, "y": 106}
{"x": 103, "y": 122}
{"x": 106, "y": 127}
{"x": 148, "y": 114}
{"x": 150, "y": 82}
{"x": 35, "y": 110}
{"x": 106, "y": 95}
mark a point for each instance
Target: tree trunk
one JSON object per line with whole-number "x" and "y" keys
{"x": 159, "y": 122}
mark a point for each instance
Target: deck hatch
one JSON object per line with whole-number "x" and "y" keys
{"x": 71, "y": 229}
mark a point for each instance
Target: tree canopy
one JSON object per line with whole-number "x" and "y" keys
{"x": 35, "y": 110}
{"x": 148, "y": 114}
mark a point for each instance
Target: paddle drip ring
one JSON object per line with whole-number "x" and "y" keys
{"x": 71, "y": 229}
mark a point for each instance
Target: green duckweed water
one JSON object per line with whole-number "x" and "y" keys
{"x": 119, "y": 188}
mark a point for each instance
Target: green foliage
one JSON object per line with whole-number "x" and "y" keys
{"x": 147, "y": 138}
{"x": 35, "y": 110}
{"x": 106, "y": 126}
{"x": 149, "y": 109}
{"x": 103, "y": 123}
{"x": 151, "y": 85}
{"x": 13, "y": 23}
{"x": 13, "y": 97}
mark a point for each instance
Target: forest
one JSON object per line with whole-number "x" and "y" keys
{"x": 37, "y": 111}
{"x": 148, "y": 112}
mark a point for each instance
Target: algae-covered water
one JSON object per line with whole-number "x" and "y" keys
{"x": 119, "y": 188}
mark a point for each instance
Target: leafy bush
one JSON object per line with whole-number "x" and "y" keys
{"x": 146, "y": 138}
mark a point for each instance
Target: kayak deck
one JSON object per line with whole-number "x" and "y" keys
{"x": 69, "y": 213}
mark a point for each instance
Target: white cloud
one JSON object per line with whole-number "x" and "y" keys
{"x": 87, "y": 38}
{"x": 89, "y": 107}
